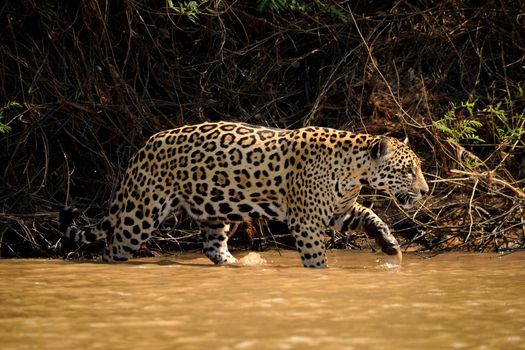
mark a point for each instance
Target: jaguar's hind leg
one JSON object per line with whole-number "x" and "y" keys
{"x": 126, "y": 240}
{"x": 135, "y": 225}
{"x": 216, "y": 242}
{"x": 118, "y": 251}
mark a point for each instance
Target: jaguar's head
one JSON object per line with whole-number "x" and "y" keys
{"x": 396, "y": 169}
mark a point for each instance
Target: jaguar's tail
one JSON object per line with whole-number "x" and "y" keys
{"x": 71, "y": 231}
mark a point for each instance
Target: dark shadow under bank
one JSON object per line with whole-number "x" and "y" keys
{"x": 256, "y": 236}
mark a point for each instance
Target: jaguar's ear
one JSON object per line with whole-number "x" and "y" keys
{"x": 381, "y": 148}
{"x": 405, "y": 141}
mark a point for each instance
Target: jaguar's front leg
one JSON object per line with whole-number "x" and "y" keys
{"x": 359, "y": 217}
{"x": 308, "y": 234}
{"x": 216, "y": 242}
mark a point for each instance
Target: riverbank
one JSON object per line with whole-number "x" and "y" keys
{"x": 83, "y": 87}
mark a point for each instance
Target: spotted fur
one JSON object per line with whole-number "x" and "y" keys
{"x": 222, "y": 173}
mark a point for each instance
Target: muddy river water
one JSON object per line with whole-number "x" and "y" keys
{"x": 449, "y": 301}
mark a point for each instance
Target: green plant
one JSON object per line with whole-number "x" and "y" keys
{"x": 4, "y": 128}
{"x": 498, "y": 115}
{"x": 457, "y": 129}
{"x": 189, "y": 9}
{"x": 332, "y": 11}
{"x": 48, "y": 11}
{"x": 282, "y": 5}
{"x": 303, "y": 7}
{"x": 510, "y": 128}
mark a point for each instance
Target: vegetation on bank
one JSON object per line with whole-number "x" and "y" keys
{"x": 84, "y": 83}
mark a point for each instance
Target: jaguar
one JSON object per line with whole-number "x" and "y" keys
{"x": 226, "y": 172}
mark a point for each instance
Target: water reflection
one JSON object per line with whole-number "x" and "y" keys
{"x": 270, "y": 302}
